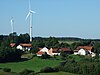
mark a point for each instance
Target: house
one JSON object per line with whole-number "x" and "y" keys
{"x": 53, "y": 51}
{"x": 42, "y": 51}
{"x": 24, "y": 47}
{"x": 84, "y": 50}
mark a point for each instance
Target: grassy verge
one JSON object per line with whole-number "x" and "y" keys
{"x": 58, "y": 73}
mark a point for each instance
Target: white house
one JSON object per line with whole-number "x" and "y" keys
{"x": 42, "y": 51}
{"x": 84, "y": 50}
{"x": 24, "y": 47}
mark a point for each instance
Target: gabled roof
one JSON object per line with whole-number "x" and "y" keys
{"x": 85, "y": 47}
{"x": 26, "y": 45}
{"x": 12, "y": 44}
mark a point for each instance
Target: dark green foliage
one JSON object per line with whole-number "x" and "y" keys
{"x": 85, "y": 66}
{"x": 6, "y": 69}
{"x": 97, "y": 49}
{"x": 64, "y": 45}
{"x": 27, "y": 72}
{"x": 63, "y": 55}
{"x": 9, "y": 54}
{"x": 45, "y": 56}
{"x": 51, "y": 42}
{"x": 48, "y": 70}
{"x": 22, "y": 38}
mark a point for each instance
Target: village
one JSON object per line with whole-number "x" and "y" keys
{"x": 57, "y": 54}
{"x": 49, "y": 37}
{"x": 80, "y": 50}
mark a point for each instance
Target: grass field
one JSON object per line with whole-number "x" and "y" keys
{"x": 69, "y": 42}
{"x": 34, "y": 64}
{"x": 58, "y": 73}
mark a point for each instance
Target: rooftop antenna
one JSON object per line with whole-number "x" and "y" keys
{"x": 30, "y": 13}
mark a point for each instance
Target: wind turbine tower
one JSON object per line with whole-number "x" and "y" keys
{"x": 30, "y": 13}
{"x": 12, "y": 25}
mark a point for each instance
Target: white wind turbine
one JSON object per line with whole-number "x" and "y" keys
{"x": 30, "y": 14}
{"x": 12, "y": 25}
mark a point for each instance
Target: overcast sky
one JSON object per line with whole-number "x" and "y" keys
{"x": 77, "y": 18}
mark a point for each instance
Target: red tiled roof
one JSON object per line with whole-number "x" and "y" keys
{"x": 26, "y": 45}
{"x": 12, "y": 44}
{"x": 85, "y": 47}
{"x": 40, "y": 52}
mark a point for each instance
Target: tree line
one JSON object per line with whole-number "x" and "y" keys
{"x": 8, "y": 53}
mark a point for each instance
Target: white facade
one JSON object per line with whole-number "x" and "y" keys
{"x": 45, "y": 50}
{"x": 20, "y": 47}
{"x": 82, "y": 52}
{"x": 23, "y": 48}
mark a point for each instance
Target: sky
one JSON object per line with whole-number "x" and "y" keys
{"x": 56, "y": 18}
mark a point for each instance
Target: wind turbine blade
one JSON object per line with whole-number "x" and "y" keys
{"x": 27, "y": 15}
{"x": 29, "y": 5}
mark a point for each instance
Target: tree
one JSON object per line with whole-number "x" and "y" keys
{"x": 51, "y": 42}
{"x": 9, "y": 54}
{"x": 64, "y": 45}
{"x": 63, "y": 55}
{"x": 97, "y": 49}
{"x": 24, "y": 38}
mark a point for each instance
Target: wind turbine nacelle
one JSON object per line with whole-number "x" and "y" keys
{"x": 32, "y": 11}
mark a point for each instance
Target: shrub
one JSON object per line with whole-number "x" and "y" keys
{"x": 27, "y": 72}
{"x": 47, "y": 70}
{"x": 6, "y": 69}
{"x": 45, "y": 56}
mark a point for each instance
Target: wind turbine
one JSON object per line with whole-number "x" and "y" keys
{"x": 30, "y": 14}
{"x": 12, "y": 25}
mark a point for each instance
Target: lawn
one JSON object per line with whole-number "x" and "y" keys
{"x": 58, "y": 73}
{"x": 34, "y": 64}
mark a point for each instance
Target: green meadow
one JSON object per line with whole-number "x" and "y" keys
{"x": 34, "y": 64}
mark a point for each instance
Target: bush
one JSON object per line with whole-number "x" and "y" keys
{"x": 47, "y": 70}
{"x": 45, "y": 56}
{"x": 27, "y": 72}
{"x": 6, "y": 69}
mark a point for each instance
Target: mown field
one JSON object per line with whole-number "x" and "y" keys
{"x": 34, "y": 64}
